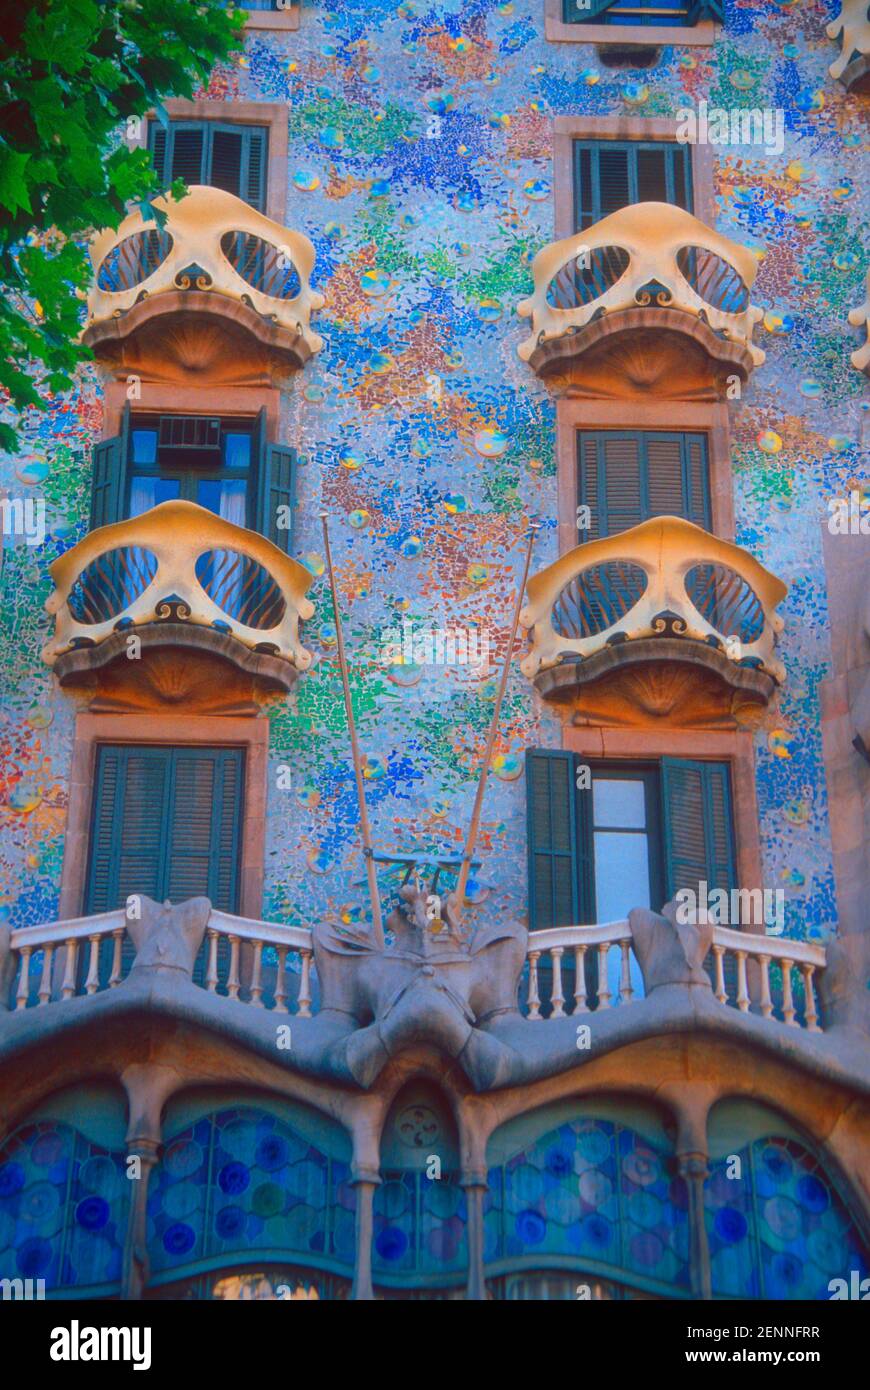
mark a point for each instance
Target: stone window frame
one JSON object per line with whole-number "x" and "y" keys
{"x": 179, "y": 730}
{"x": 271, "y": 114}
{"x": 710, "y": 418}
{"x": 166, "y": 398}
{"x": 556, "y": 30}
{"x": 274, "y": 20}
{"x": 734, "y": 747}
{"x": 567, "y": 129}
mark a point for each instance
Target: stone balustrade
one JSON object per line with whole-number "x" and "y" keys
{"x": 239, "y": 959}
{"x": 771, "y": 973}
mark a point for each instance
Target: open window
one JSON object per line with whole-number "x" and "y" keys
{"x": 222, "y": 463}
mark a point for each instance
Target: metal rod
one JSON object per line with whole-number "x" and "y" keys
{"x": 457, "y": 897}
{"x": 365, "y": 828}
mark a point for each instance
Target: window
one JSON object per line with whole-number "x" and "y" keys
{"x": 634, "y": 837}
{"x": 223, "y": 464}
{"x": 165, "y": 822}
{"x": 232, "y": 157}
{"x": 627, "y": 476}
{"x": 674, "y": 14}
{"x": 611, "y": 174}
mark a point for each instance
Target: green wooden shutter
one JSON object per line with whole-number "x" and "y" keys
{"x": 698, "y": 827}
{"x": 109, "y": 476}
{"x": 613, "y": 174}
{"x": 276, "y": 488}
{"x": 166, "y": 823}
{"x": 554, "y": 898}
{"x": 626, "y": 477}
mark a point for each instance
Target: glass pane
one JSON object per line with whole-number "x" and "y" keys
{"x": 225, "y": 497}
{"x": 618, "y": 802}
{"x": 144, "y": 446}
{"x": 146, "y": 493}
{"x": 237, "y": 450}
{"x": 621, "y": 874}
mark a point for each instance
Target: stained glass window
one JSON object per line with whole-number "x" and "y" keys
{"x": 419, "y": 1225}
{"x": 596, "y": 1193}
{"x": 776, "y": 1227}
{"x": 242, "y": 1182}
{"x": 63, "y": 1209}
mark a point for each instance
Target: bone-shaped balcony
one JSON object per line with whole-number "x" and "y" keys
{"x": 664, "y": 596}
{"x": 643, "y": 275}
{"x": 852, "y": 28}
{"x": 160, "y": 293}
{"x": 179, "y": 576}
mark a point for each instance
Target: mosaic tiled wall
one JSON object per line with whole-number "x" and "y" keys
{"x": 420, "y": 167}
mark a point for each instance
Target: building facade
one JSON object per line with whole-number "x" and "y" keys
{"x": 474, "y": 282}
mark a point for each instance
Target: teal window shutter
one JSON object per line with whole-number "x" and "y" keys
{"x": 109, "y": 476}
{"x": 554, "y": 892}
{"x": 698, "y": 825}
{"x": 166, "y": 822}
{"x": 276, "y": 490}
{"x": 219, "y": 154}
{"x": 612, "y": 174}
{"x": 627, "y": 476}
{"x": 676, "y": 13}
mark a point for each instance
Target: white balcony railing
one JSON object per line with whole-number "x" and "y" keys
{"x": 239, "y": 958}
{"x": 270, "y": 966}
{"x": 796, "y": 964}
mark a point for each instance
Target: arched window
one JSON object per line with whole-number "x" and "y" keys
{"x": 591, "y": 1191}
{"x": 246, "y": 1186}
{"x": 64, "y": 1198}
{"x": 776, "y": 1225}
{"x": 420, "y": 1210}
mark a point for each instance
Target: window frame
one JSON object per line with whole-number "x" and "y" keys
{"x": 284, "y": 19}
{"x": 189, "y": 730}
{"x": 271, "y": 115}
{"x": 556, "y": 30}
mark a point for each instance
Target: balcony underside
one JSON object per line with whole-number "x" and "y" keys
{"x": 194, "y": 337}
{"x": 635, "y": 353}
{"x": 856, "y": 77}
{"x": 180, "y": 663}
{"x": 669, "y": 679}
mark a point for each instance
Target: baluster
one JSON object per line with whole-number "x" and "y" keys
{"x": 580, "y": 1005}
{"x": 742, "y": 990}
{"x": 625, "y": 988}
{"x": 721, "y": 991}
{"x": 787, "y": 997}
{"x": 256, "y": 987}
{"x": 211, "y": 970}
{"x": 118, "y": 941}
{"x": 811, "y": 1015}
{"x": 766, "y": 1002}
{"x": 24, "y": 979}
{"x": 92, "y": 983}
{"x": 534, "y": 997}
{"x": 233, "y": 977}
{"x": 304, "y": 1001}
{"x": 68, "y": 988}
{"x": 45, "y": 980}
{"x": 557, "y": 998}
{"x": 604, "y": 995}
{"x": 281, "y": 982}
